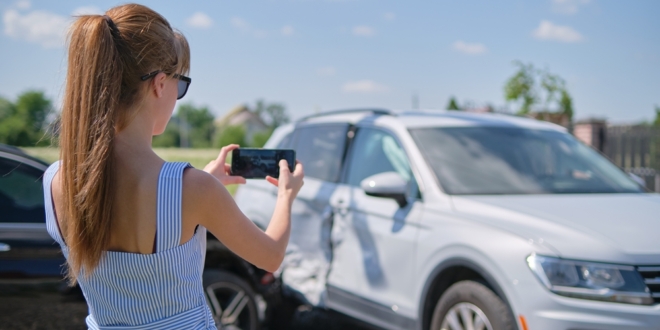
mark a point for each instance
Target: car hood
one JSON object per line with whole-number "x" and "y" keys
{"x": 622, "y": 228}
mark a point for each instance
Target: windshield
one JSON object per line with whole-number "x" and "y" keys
{"x": 504, "y": 160}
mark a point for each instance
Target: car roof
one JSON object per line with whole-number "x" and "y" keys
{"x": 18, "y": 152}
{"x": 432, "y": 118}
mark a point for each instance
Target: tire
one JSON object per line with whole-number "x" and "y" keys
{"x": 231, "y": 300}
{"x": 476, "y": 300}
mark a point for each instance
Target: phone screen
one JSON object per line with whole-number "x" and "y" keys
{"x": 258, "y": 163}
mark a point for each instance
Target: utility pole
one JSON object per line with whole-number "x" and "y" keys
{"x": 183, "y": 130}
{"x": 415, "y": 100}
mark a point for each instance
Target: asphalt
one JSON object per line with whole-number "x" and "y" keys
{"x": 54, "y": 312}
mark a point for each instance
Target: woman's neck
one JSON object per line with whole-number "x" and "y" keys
{"x": 133, "y": 143}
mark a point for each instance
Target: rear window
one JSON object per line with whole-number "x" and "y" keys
{"x": 21, "y": 192}
{"x": 321, "y": 149}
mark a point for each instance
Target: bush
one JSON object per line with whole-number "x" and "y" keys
{"x": 259, "y": 139}
{"x": 230, "y": 135}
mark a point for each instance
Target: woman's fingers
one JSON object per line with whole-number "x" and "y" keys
{"x": 222, "y": 157}
{"x": 234, "y": 180}
{"x": 273, "y": 181}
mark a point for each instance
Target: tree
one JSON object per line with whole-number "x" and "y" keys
{"x": 538, "y": 90}
{"x": 273, "y": 114}
{"x": 198, "y": 125}
{"x": 453, "y": 105}
{"x": 521, "y": 87}
{"x": 24, "y": 123}
{"x": 190, "y": 127}
{"x": 170, "y": 138}
{"x": 233, "y": 134}
{"x": 259, "y": 139}
{"x": 656, "y": 122}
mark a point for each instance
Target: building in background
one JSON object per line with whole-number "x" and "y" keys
{"x": 242, "y": 116}
{"x": 634, "y": 148}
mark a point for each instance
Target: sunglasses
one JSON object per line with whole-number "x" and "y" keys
{"x": 182, "y": 84}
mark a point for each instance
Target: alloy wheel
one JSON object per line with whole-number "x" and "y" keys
{"x": 231, "y": 307}
{"x": 465, "y": 316}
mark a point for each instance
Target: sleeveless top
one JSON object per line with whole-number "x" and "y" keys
{"x": 162, "y": 290}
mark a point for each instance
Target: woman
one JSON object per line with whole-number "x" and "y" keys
{"x": 132, "y": 226}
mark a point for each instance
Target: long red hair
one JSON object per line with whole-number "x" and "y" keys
{"x": 107, "y": 56}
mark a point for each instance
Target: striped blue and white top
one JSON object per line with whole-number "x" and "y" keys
{"x": 162, "y": 290}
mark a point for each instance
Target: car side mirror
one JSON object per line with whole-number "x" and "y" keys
{"x": 387, "y": 185}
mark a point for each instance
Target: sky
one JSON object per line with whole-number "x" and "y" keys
{"x": 318, "y": 55}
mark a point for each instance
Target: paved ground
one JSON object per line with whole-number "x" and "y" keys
{"x": 55, "y": 312}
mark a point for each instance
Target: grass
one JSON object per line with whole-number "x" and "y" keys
{"x": 196, "y": 157}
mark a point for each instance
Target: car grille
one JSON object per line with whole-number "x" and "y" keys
{"x": 651, "y": 275}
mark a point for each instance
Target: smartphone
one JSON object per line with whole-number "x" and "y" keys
{"x": 253, "y": 163}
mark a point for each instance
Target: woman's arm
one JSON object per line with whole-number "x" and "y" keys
{"x": 214, "y": 208}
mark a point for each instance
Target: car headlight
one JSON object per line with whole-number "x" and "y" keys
{"x": 590, "y": 280}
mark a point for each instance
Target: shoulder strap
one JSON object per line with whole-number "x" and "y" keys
{"x": 168, "y": 212}
{"x": 51, "y": 221}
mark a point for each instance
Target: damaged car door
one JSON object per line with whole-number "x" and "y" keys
{"x": 374, "y": 232}
{"x": 321, "y": 148}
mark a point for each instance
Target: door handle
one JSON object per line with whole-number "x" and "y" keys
{"x": 4, "y": 247}
{"x": 342, "y": 207}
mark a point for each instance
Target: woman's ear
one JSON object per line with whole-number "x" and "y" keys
{"x": 158, "y": 84}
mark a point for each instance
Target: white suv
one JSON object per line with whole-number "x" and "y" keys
{"x": 449, "y": 220}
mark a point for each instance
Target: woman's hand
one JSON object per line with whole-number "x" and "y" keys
{"x": 288, "y": 184}
{"x": 221, "y": 170}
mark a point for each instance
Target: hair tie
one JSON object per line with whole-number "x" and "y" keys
{"x": 113, "y": 28}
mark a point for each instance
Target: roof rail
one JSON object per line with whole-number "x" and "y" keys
{"x": 344, "y": 111}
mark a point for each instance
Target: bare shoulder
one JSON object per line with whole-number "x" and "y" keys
{"x": 56, "y": 188}
{"x": 202, "y": 193}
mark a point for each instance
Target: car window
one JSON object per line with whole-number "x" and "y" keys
{"x": 511, "y": 160}
{"x": 285, "y": 143}
{"x": 321, "y": 149}
{"x": 21, "y": 192}
{"x": 375, "y": 151}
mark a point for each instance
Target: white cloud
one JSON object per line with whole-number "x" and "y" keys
{"x": 44, "y": 28}
{"x": 23, "y": 4}
{"x": 287, "y": 30}
{"x": 469, "y": 48}
{"x": 87, "y": 10}
{"x": 363, "y": 86}
{"x": 364, "y": 31}
{"x": 549, "y": 31}
{"x": 239, "y": 23}
{"x": 389, "y": 16}
{"x": 568, "y": 7}
{"x": 326, "y": 71}
{"x": 199, "y": 20}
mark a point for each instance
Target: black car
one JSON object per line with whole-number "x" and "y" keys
{"x": 33, "y": 294}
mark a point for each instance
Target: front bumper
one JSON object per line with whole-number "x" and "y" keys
{"x": 545, "y": 310}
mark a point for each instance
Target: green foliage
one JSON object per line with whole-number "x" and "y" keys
{"x": 538, "y": 90}
{"x": 453, "y": 105}
{"x": 24, "y": 123}
{"x": 189, "y": 127}
{"x": 521, "y": 87}
{"x": 566, "y": 103}
{"x": 230, "y": 135}
{"x": 273, "y": 114}
{"x": 656, "y": 122}
{"x": 170, "y": 137}
{"x": 198, "y": 123}
{"x": 259, "y": 139}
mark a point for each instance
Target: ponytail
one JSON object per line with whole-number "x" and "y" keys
{"x": 102, "y": 83}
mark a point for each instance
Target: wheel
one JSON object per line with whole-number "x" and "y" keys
{"x": 471, "y": 305}
{"x": 231, "y": 300}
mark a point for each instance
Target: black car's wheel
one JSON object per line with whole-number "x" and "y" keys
{"x": 232, "y": 301}
{"x": 471, "y": 305}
